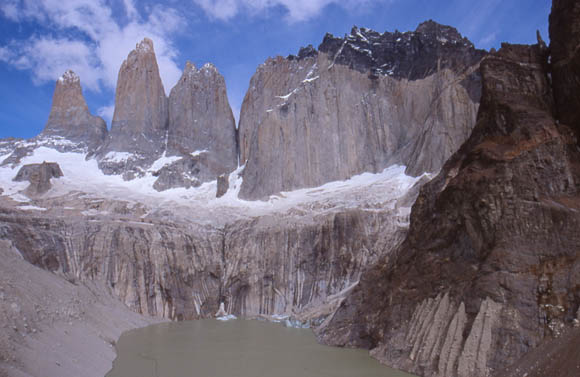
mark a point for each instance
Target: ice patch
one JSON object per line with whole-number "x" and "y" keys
{"x": 373, "y": 192}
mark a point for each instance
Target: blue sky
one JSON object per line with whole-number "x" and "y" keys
{"x": 40, "y": 39}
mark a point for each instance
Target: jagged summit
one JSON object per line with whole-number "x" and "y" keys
{"x": 70, "y": 117}
{"x": 412, "y": 55}
{"x": 69, "y": 77}
{"x": 145, "y": 46}
{"x": 139, "y": 126}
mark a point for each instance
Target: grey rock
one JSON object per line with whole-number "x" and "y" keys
{"x": 201, "y": 123}
{"x": 39, "y": 176}
{"x": 307, "y": 122}
{"x": 139, "y": 128}
{"x": 179, "y": 269}
{"x": 69, "y": 116}
{"x": 223, "y": 184}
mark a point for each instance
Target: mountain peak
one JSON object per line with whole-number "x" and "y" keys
{"x": 411, "y": 55}
{"x": 69, "y": 77}
{"x": 145, "y": 46}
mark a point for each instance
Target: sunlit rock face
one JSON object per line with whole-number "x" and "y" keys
{"x": 139, "y": 127}
{"x": 202, "y": 130}
{"x": 70, "y": 118}
{"x": 359, "y": 103}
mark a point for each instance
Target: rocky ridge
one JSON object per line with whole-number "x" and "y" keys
{"x": 489, "y": 268}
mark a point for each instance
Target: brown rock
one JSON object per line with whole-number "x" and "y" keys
{"x": 70, "y": 117}
{"x": 565, "y": 50}
{"x": 139, "y": 127}
{"x": 495, "y": 230}
{"x": 223, "y": 184}
{"x": 39, "y": 176}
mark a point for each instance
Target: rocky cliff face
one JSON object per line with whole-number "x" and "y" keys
{"x": 490, "y": 266}
{"x": 201, "y": 120}
{"x": 139, "y": 128}
{"x": 358, "y": 104}
{"x": 201, "y": 138}
{"x": 70, "y": 117}
{"x": 178, "y": 269}
{"x": 565, "y": 39}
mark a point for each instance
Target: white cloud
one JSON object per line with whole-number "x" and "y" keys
{"x": 297, "y": 10}
{"x": 89, "y": 40}
{"x": 106, "y": 112}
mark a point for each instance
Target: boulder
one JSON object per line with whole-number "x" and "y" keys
{"x": 39, "y": 176}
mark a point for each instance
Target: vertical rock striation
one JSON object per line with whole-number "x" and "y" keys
{"x": 491, "y": 263}
{"x": 358, "y": 104}
{"x": 139, "y": 128}
{"x": 70, "y": 117}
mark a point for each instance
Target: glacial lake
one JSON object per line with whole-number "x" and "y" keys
{"x": 237, "y": 348}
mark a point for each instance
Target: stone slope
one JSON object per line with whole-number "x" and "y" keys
{"x": 490, "y": 266}
{"x": 330, "y": 114}
{"x": 54, "y": 327}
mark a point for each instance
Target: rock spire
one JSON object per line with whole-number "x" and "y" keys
{"x": 70, "y": 117}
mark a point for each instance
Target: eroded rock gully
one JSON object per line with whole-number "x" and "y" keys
{"x": 491, "y": 264}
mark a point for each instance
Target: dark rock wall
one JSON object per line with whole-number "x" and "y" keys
{"x": 491, "y": 265}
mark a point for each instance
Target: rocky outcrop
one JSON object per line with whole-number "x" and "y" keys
{"x": 335, "y": 113}
{"x": 495, "y": 231}
{"x": 223, "y": 184}
{"x": 39, "y": 176}
{"x": 139, "y": 128}
{"x": 70, "y": 117}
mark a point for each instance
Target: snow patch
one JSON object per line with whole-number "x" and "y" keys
{"x": 197, "y": 153}
{"x": 31, "y": 208}
{"x": 162, "y": 161}
{"x": 311, "y": 79}
{"x": 117, "y": 157}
